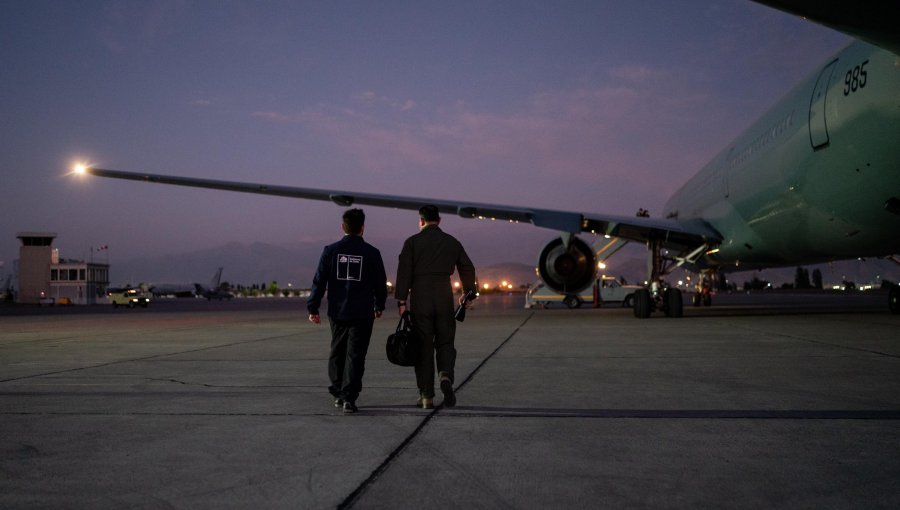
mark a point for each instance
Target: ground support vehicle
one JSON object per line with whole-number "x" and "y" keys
{"x": 608, "y": 288}
{"x": 129, "y": 297}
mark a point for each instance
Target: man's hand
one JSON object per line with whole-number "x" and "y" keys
{"x": 377, "y": 314}
{"x": 315, "y": 319}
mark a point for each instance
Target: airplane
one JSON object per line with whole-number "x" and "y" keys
{"x": 215, "y": 290}
{"x": 210, "y": 292}
{"x": 180, "y": 290}
{"x": 815, "y": 179}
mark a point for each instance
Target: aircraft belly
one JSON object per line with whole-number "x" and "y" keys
{"x": 792, "y": 230}
{"x": 796, "y": 232}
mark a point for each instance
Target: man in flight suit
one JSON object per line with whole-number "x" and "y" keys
{"x": 352, "y": 271}
{"x": 427, "y": 261}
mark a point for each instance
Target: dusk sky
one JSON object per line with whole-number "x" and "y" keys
{"x": 593, "y": 106}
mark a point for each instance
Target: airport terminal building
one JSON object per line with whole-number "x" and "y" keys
{"x": 43, "y": 277}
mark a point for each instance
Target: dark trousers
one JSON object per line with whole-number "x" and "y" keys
{"x": 433, "y": 322}
{"x": 347, "y": 361}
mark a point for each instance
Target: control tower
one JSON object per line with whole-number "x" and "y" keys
{"x": 35, "y": 258}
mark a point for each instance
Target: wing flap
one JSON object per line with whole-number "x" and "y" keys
{"x": 675, "y": 233}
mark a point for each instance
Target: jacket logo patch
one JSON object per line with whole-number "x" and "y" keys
{"x": 349, "y": 267}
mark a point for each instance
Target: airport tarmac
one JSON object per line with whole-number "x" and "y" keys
{"x": 787, "y": 402}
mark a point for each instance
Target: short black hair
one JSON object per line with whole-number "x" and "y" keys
{"x": 354, "y": 219}
{"x": 429, "y": 213}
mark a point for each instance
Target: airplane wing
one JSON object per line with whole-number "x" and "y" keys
{"x": 671, "y": 232}
{"x": 875, "y": 22}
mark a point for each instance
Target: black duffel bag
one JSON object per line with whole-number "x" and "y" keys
{"x": 402, "y": 346}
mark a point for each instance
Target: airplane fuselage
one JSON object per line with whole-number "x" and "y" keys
{"x": 817, "y": 178}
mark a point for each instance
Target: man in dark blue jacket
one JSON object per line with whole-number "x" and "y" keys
{"x": 352, "y": 272}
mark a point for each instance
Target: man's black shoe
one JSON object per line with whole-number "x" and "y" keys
{"x": 350, "y": 408}
{"x": 447, "y": 390}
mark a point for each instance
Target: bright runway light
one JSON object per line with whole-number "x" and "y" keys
{"x": 80, "y": 169}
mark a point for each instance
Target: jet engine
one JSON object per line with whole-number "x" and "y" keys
{"x": 568, "y": 270}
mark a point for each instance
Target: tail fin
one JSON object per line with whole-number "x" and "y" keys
{"x": 216, "y": 280}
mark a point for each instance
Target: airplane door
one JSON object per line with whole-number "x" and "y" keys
{"x": 818, "y": 130}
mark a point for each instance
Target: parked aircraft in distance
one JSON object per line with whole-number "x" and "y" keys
{"x": 816, "y": 179}
{"x": 181, "y": 290}
{"x": 214, "y": 290}
{"x": 210, "y": 291}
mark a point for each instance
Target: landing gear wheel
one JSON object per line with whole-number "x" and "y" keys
{"x": 572, "y": 301}
{"x": 707, "y": 300}
{"x": 642, "y": 303}
{"x": 674, "y": 303}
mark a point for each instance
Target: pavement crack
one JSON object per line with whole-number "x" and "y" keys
{"x": 145, "y": 358}
{"x": 358, "y": 492}
{"x": 677, "y": 414}
{"x": 176, "y": 381}
{"x": 819, "y": 342}
{"x": 234, "y": 386}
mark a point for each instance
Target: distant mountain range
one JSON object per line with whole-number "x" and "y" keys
{"x": 257, "y": 263}
{"x": 262, "y": 263}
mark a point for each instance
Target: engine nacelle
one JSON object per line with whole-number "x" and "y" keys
{"x": 567, "y": 270}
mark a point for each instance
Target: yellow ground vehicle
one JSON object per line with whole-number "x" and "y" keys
{"x": 127, "y": 297}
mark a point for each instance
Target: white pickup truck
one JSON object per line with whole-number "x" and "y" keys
{"x": 127, "y": 297}
{"x": 611, "y": 291}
